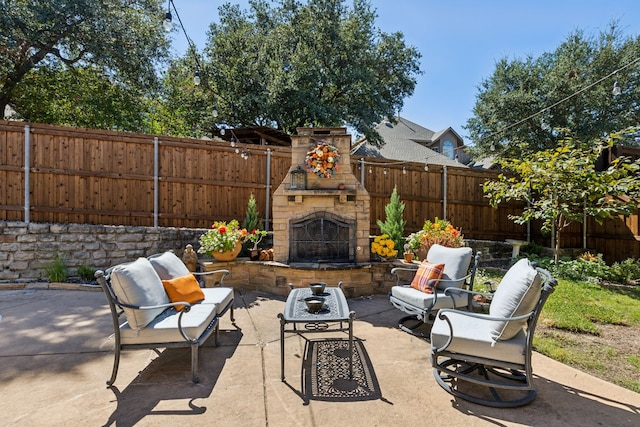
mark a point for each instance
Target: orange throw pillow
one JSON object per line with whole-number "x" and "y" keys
{"x": 183, "y": 288}
{"x": 426, "y": 272}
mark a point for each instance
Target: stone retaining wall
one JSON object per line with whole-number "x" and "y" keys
{"x": 27, "y": 249}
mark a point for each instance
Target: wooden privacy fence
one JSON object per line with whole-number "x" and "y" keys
{"x": 74, "y": 175}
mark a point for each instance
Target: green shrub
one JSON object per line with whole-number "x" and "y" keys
{"x": 625, "y": 272}
{"x": 86, "y": 273}
{"x": 581, "y": 269}
{"x": 531, "y": 248}
{"x": 394, "y": 222}
{"x": 57, "y": 271}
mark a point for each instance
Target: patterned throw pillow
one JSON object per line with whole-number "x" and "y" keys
{"x": 183, "y": 288}
{"x": 426, "y": 272}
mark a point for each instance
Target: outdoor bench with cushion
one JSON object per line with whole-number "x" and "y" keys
{"x": 164, "y": 306}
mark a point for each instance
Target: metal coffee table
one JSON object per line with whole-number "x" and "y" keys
{"x": 335, "y": 310}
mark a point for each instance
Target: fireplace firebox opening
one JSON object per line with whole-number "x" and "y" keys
{"x": 322, "y": 237}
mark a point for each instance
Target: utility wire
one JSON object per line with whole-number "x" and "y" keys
{"x": 191, "y": 44}
{"x": 563, "y": 100}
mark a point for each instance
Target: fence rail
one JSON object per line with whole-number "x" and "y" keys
{"x": 74, "y": 175}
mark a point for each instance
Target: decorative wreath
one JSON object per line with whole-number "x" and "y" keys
{"x": 322, "y": 160}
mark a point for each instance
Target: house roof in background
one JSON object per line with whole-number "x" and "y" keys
{"x": 406, "y": 141}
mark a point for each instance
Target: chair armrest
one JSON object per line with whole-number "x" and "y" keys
{"x": 466, "y": 291}
{"x": 463, "y": 279}
{"x": 202, "y": 274}
{"x": 442, "y": 314}
{"x": 397, "y": 271}
{"x": 150, "y": 307}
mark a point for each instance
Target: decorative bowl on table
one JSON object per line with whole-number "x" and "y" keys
{"x": 314, "y": 304}
{"x": 317, "y": 288}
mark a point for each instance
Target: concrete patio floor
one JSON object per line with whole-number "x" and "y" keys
{"x": 56, "y": 353}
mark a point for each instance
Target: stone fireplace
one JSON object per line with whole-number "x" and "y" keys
{"x": 329, "y": 220}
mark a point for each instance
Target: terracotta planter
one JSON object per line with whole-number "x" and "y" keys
{"x": 408, "y": 256}
{"x": 229, "y": 255}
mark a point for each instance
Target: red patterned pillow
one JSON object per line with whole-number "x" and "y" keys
{"x": 426, "y": 272}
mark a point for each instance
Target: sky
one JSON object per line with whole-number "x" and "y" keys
{"x": 460, "y": 41}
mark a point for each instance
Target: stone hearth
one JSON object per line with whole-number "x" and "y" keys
{"x": 329, "y": 220}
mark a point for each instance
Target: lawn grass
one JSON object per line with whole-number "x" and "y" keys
{"x": 572, "y": 321}
{"x": 580, "y": 306}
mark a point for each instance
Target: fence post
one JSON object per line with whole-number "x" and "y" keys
{"x": 27, "y": 172}
{"x": 155, "y": 182}
{"x": 362, "y": 171}
{"x": 444, "y": 191}
{"x": 268, "y": 186}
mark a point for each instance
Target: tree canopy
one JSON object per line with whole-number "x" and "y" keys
{"x": 317, "y": 63}
{"x": 561, "y": 185}
{"x": 521, "y": 105}
{"x": 97, "y": 55}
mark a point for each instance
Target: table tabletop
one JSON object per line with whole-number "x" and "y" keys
{"x": 335, "y": 307}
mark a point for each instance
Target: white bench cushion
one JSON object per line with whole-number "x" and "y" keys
{"x": 473, "y": 337}
{"x": 168, "y": 265}
{"x": 221, "y": 297}
{"x": 164, "y": 328}
{"x": 137, "y": 283}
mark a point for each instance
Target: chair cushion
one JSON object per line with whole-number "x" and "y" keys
{"x": 164, "y": 328}
{"x": 137, "y": 283}
{"x": 221, "y": 297}
{"x": 472, "y": 336}
{"x": 168, "y": 265}
{"x": 183, "y": 288}
{"x": 426, "y": 272}
{"x": 406, "y": 295}
{"x": 517, "y": 294}
{"x": 456, "y": 263}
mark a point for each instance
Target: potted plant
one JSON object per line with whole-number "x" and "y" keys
{"x": 255, "y": 237}
{"x": 438, "y": 231}
{"x": 384, "y": 247}
{"x": 223, "y": 241}
{"x": 408, "y": 253}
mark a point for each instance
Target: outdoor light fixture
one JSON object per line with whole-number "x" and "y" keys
{"x": 616, "y": 89}
{"x": 196, "y": 78}
{"x": 166, "y": 22}
{"x": 298, "y": 179}
{"x": 215, "y": 112}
